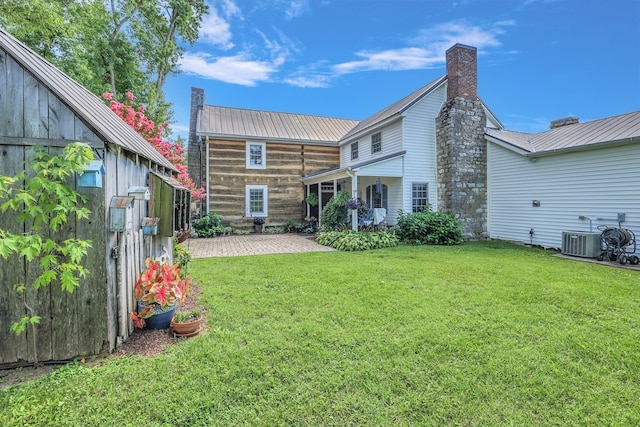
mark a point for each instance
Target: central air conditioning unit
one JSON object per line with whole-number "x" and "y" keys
{"x": 581, "y": 244}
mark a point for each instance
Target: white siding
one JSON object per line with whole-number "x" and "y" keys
{"x": 596, "y": 184}
{"x": 391, "y": 143}
{"x": 420, "y": 144}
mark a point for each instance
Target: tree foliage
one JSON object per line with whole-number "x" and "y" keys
{"x": 134, "y": 116}
{"x": 115, "y": 46}
{"x": 43, "y": 202}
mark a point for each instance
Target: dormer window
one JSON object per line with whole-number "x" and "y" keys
{"x": 354, "y": 151}
{"x": 376, "y": 143}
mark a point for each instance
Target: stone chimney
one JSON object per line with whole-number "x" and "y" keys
{"x": 571, "y": 120}
{"x": 195, "y": 149}
{"x": 461, "y": 146}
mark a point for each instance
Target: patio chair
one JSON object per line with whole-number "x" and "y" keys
{"x": 379, "y": 216}
{"x": 367, "y": 220}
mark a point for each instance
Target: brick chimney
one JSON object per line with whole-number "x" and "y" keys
{"x": 461, "y": 146}
{"x": 571, "y": 120}
{"x": 462, "y": 72}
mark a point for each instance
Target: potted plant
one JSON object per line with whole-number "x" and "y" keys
{"x": 186, "y": 323}
{"x": 158, "y": 292}
{"x": 258, "y": 223}
{"x": 312, "y": 199}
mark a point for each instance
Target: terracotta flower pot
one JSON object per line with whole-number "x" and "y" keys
{"x": 186, "y": 329}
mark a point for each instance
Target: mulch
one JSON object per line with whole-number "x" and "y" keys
{"x": 142, "y": 342}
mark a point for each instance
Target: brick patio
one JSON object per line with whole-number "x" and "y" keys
{"x": 253, "y": 244}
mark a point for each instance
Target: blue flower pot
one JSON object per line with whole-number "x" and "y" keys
{"x": 161, "y": 319}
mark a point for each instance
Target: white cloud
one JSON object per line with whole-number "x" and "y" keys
{"x": 296, "y": 8}
{"x": 230, "y": 9}
{"x": 238, "y": 69}
{"x": 427, "y": 49}
{"x": 410, "y": 58}
{"x": 310, "y": 80}
{"x": 216, "y": 30}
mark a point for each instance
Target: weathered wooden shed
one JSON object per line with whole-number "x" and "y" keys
{"x": 41, "y": 106}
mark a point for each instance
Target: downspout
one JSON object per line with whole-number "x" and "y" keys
{"x": 354, "y": 194}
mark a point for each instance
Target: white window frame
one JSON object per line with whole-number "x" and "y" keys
{"x": 354, "y": 150}
{"x": 263, "y": 148}
{"x": 413, "y": 198}
{"x": 265, "y": 200}
{"x": 378, "y": 142}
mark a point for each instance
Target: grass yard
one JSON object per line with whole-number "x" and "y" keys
{"x": 483, "y": 334}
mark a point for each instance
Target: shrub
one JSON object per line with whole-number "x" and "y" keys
{"x": 209, "y": 225}
{"x": 292, "y": 226}
{"x": 429, "y": 228}
{"x": 275, "y": 230}
{"x": 349, "y": 240}
{"x": 181, "y": 256}
{"x": 335, "y": 215}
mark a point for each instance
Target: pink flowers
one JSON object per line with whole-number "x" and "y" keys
{"x": 146, "y": 127}
{"x": 159, "y": 284}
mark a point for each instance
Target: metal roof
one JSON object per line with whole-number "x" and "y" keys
{"x": 247, "y": 124}
{"x": 91, "y": 109}
{"x": 398, "y": 107}
{"x": 616, "y": 129}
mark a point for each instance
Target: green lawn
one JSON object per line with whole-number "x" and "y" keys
{"x": 482, "y": 334}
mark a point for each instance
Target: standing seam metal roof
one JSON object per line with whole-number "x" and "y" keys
{"x": 396, "y": 108}
{"x": 93, "y": 111}
{"x": 617, "y": 128}
{"x": 238, "y": 122}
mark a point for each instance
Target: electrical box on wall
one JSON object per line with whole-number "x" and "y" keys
{"x": 120, "y": 213}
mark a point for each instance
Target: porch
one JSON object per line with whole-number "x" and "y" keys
{"x": 380, "y": 184}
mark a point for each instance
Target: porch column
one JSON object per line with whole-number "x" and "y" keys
{"x": 335, "y": 187}
{"x": 319, "y": 203}
{"x": 305, "y": 199}
{"x": 354, "y": 194}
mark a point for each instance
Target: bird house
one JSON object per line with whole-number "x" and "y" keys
{"x": 139, "y": 193}
{"x": 91, "y": 177}
{"x": 120, "y": 213}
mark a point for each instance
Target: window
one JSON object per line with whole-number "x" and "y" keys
{"x": 256, "y": 155}
{"x": 354, "y": 150}
{"x": 376, "y": 143}
{"x": 256, "y": 200}
{"x": 419, "y": 197}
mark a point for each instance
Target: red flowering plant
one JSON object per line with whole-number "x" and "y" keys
{"x": 134, "y": 116}
{"x": 159, "y": 286}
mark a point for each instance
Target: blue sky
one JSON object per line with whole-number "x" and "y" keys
{"x": 538, "y": 60}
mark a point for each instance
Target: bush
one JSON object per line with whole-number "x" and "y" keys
{"x": 209, "y": 225}
{"x": 429, "y": 228}
{"x": 335, "y": 215}
{"x": 181, "y": 256}
{"x": 349, "y": 240}
{"x": 292, "y": 226}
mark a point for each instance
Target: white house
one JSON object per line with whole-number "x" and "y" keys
{"x": 573, "y": 177}
{"x": 441, "y": 146}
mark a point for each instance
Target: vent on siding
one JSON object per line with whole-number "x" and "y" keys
{"x": 581, "y": 244}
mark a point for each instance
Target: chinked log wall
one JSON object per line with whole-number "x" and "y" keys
{"x": 286, "y": 164}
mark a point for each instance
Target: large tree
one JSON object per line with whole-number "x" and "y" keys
{"x": 117, "y": 46}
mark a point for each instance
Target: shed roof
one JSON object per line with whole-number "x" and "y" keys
{"x": 91, "y": 109}
{"x": 616, "y": 129}
{"x": 242, "y": 123}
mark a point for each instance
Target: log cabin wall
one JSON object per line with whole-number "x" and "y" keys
{"x": 286, "y": 164}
